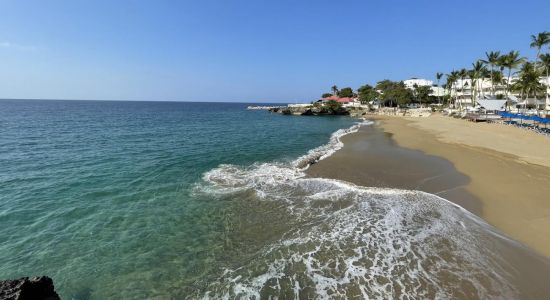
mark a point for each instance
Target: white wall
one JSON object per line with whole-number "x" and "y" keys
{"x": 409, "y": 83}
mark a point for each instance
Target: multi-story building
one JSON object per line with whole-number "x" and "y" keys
{"x": 410, "y": 83}
{"x": 437, "y": 91}
{"x": 462, "y": 90}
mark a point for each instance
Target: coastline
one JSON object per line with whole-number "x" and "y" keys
{"x": 505, "y": 189}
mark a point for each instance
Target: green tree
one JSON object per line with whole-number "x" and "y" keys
{"x": 334, "y": 89}
{"x": 438, "y": 76}
{"x": 401, "y": 94}
{"x": 528, "y": 83}
{"x": 493, "y": 61}
{"x": 394, "y": 93}
{"x": 538, "y": 41}
{"x": 512, "y": 61}
{"x": 326, "y": 95}
{"x": 333, "y": 106}
{"x": 384, "y": 87}
{"x": 545, "y": 64}
{"x": 346, "y": 92}
{"x": 476, "y": 74}
{"x": 367, "y": 94}
{"x": 451, "y": 83}
{"x": 422, "y": 93}
{"x": 497, "y": 79}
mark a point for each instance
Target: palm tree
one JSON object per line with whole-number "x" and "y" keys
{"x": 473, "y": 79}
{"x": 492, "y": 60}
{"x": 501, "y": 62}
{"x": 512, "y": 61}
{"x": 476, "y": 74}
{"x": 528, "y": 83}
{"x": 438, "y": 76}
{"x": 497, "y": 79}
{"x": 415, "y": 93}
{"x": 485, "y": 74}
{"x": 334, "y": 89}
{"x": 479, "y": 71}
{"x": 451, "y": 82}
{"x": 545, "y": 64}
{"x": 538, "y": 41}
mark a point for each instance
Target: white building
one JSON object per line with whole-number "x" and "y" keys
{"x": 462, "y": 90}
{"x": 410, "y": 83}
{"x": 437, "y": 91}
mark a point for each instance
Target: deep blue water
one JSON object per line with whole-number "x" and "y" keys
{"x": 99, "y": 194}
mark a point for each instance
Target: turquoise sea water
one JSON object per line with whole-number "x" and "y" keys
{"x": 165, "y": 200}
{"x": 97, "y": 194}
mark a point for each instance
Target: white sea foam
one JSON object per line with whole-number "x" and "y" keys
{"x": 346, "y": 240}
{"x": 328, "y": 149}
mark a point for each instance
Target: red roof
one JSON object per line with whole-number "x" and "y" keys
{"x": 335, "y": 98}
{"x": 338, "y": 99}
{"x": 344, "y": 100}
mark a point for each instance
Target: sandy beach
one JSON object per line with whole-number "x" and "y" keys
{"x": 500, "y": 173}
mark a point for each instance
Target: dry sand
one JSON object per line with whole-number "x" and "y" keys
{"x": 499, "y": 172}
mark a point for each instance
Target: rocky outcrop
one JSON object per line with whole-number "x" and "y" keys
{"x": 35, "y": 288}
{"x": 358, "y": 112}
{"x": 309, "y": 111}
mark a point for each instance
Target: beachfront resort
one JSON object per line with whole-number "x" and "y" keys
{"x": 412, "y": 163}
{"x": 505, "y": 87}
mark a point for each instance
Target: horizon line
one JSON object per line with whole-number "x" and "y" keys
{"x": 135, "y": 100}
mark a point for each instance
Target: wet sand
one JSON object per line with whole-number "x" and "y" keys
{"x": 508, "y": 193}
{"x": 371, "y": 158}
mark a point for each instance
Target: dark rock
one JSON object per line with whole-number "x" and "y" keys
{"x": 308, "y": 112}
{"x": 35, "y": 288}
{"x": 286, "y": 111}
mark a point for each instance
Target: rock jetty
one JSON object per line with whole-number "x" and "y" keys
{"x": 35, "y": 288}
{"x": 356, "y": 112}
{"x": 260, "y": 107}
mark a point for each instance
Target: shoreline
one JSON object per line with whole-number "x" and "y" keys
{"x": 386, "y": 165}
{"x": 506, "y": 190}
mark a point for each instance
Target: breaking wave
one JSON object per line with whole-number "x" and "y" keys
{"x": 328, "y": 149}
{"x": 326, "y": 238}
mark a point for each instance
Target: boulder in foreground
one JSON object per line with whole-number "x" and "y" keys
{"x": 35, "y": 288}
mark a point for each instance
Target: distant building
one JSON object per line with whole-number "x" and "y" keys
{"x": 410, "y": 83}
{"x": 437, "y": 91}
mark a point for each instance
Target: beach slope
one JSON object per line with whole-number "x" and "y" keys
{"x": 501, "y": 173}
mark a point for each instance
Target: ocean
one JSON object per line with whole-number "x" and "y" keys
{"x": 209, "y": 200}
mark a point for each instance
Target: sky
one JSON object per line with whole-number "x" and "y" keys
{"x": 246, "y": 51}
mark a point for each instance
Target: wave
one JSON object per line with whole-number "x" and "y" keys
{"x": 334, "y": 239}
{"x": 328, "y": 149}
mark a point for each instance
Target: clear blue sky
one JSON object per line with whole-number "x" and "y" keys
{"x": 249, "y": 51}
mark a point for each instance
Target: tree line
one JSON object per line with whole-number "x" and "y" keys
{"x": 387, "y": 93}
{"x": 496, "y": 67}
